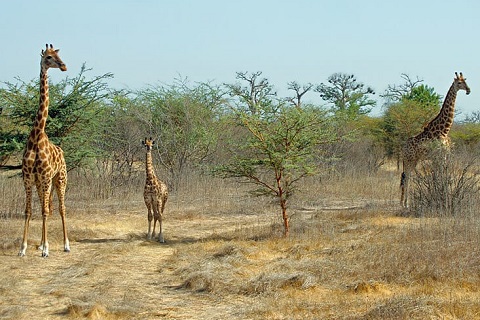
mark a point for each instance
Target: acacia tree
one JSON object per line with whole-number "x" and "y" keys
{"x": 395, "y": 93}
{"x": 300, "y": 91}
{"x": 278, "y": 150}
{"x": 347, "y": 98}
{"x": 74, "y": 105}
{"x": 183, "y": 120}
{"x": 257, "y": 93}
{"x": 405, "y": 117}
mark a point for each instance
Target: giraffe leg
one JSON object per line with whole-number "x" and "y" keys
{"x": 150, "y": 218}
{"x": 28, "y": 214}
{"x": 38, "y": 185}
{"x": 155, "y": 218}
{"x": 44, "y": 245}
{"x": 50, "y": 204}
{"x": 159, "y": 217}
{"x": 164, "y": 201}
{"x": 61, "y": 186}
{"x": 404, "y": 188}
{"x": 405, "y": 202}
{"x": 46, "y": 188}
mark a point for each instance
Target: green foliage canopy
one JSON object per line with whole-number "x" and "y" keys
{"x": 279, "y": 149}
{"x": 74, "y": 105}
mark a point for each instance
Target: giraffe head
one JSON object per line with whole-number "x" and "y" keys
{"x": 460, "y": 84}
{"x": 148, "y": 143}
{"x": 51, "y": 59}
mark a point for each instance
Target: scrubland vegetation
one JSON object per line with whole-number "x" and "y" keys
{"x": 351, "y": 254}
{"x": 351, "y": 251}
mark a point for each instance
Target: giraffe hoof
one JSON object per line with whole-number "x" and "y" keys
{"x": 21, "y": 254}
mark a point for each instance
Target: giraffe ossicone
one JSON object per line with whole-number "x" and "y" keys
{"x": 43, "y": 164}
{"x": 416, "y": 148}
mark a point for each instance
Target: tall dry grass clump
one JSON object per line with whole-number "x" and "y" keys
{"x": 447, "y": 185}
{"x": 343, "y": 265}
{"x": 12, "y": 195}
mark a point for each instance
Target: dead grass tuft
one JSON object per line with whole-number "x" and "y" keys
{"x": 402, "y": 307}
{"x": 99, "y": 312}
{"x": 271, "y": 283}
{"x": 370, "y": 287}
{"x": 74, "y": 311}
{"x": 199, "y": 282}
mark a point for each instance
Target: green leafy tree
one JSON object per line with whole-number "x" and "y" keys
{"x": 347, "y": 98}
{"x": 118, "y": 145}
{"x": 184, "y": 122}
{"x": 406, "y": 117}
{"x": 72, "y": 122}
{"x": 395, "y": 93}
{"x": 467, "y": 132}
{"x": 277, "y": 150}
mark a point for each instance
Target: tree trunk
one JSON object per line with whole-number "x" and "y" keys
{"x": 286, "y": 227}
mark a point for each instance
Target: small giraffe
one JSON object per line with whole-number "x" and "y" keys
{"x": 155, "y": 194}
{"x": 416, "y": 148}
{"x": 43, "y": 163}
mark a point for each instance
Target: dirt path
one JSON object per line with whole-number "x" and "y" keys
{"x": 111, "y": 272}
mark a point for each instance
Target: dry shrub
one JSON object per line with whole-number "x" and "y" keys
{"x": 447, "y": 184}
{"x": 429, "y": 253}
{"x": 400, "y": 267}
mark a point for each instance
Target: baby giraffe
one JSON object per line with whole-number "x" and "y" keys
{"x": 155, "y": 194}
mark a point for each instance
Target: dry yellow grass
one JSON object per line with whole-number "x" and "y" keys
{"x": 350, "y": 256}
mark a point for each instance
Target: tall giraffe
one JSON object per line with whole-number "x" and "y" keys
{"x": 155, "y": 194}
{"x": 43, "y": 163}
{"x": 416, "y": 148}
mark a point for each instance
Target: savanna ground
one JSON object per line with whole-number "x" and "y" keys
{"x": 351, "y": 255}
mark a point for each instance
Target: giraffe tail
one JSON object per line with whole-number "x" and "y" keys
{"x": 402, "y": 179}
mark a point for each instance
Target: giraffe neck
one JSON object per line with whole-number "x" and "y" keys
{"x": 149, "y": 166}
{"x": 440, "y": 126}
{"x": 42, "y": 113}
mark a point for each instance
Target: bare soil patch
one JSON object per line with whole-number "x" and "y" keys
{"x": 112, "y": 272}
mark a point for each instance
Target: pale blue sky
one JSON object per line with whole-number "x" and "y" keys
{"x": 149, "y": 42}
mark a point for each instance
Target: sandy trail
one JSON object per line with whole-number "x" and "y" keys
{"x": 112, "y": 272}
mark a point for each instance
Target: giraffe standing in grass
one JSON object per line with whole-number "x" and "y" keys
{"x": 155, "y": 194}
{"x": 43, "y": 163}
{"x": 416, "y": 148}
